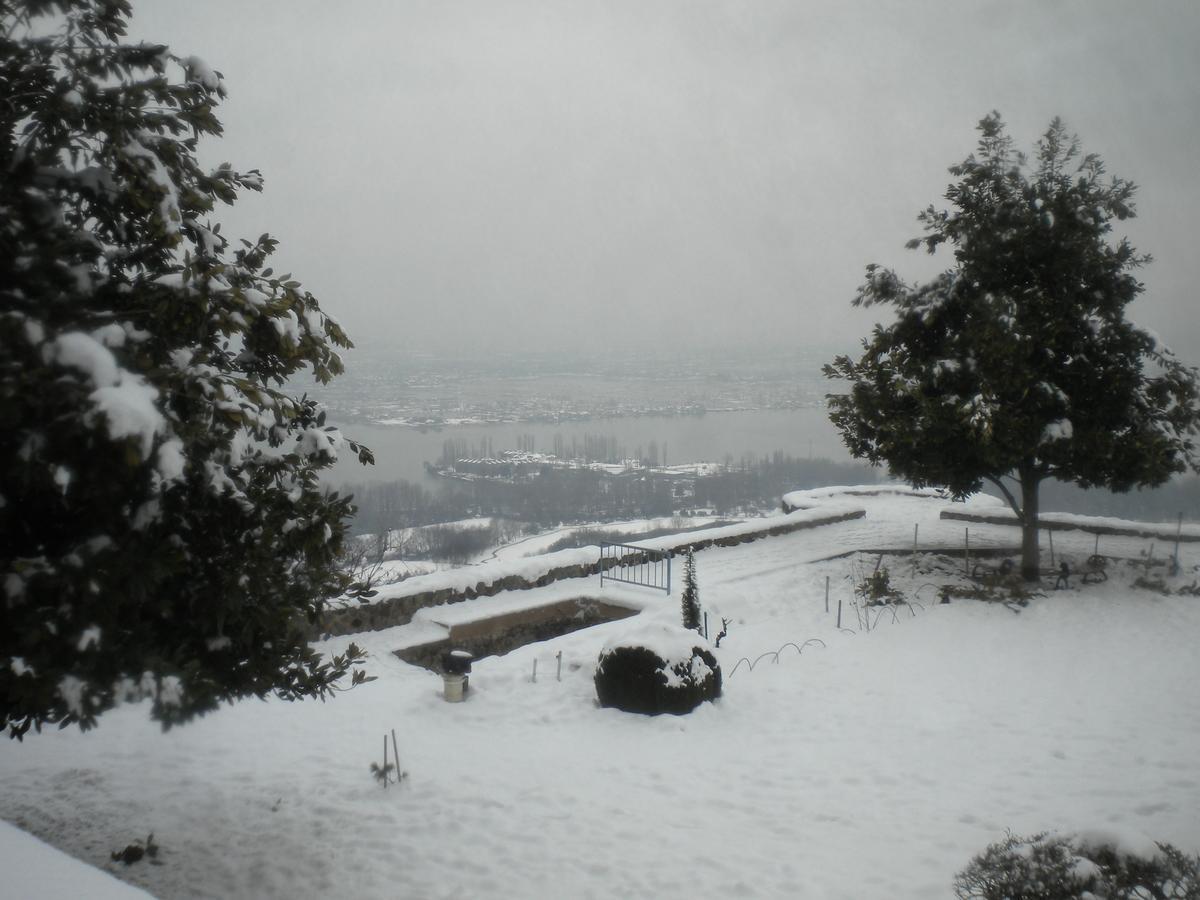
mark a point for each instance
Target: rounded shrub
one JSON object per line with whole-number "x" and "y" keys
{"x": 657, "y": 669}
{"x": 1045, "y": 867}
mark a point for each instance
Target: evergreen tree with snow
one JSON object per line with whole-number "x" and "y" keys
{"x": 162, "y": 530}
{"x": 691, "y": 594}
{"x": 1017, "y": 364}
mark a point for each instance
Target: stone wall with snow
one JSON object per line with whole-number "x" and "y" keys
{"x": 396, "y": 604}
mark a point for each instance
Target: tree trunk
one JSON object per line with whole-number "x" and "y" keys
{"x": 1029, "y": 526}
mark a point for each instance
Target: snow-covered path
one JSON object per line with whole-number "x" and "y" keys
{"x": 875, "y": 767}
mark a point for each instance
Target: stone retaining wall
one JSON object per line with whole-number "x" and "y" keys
{"x": 1166, "y": 533}
{"x": 393, "y": 611}
{"x": 507, "y": 631}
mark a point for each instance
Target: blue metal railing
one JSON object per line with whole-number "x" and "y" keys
{"x": 636, "y": 565}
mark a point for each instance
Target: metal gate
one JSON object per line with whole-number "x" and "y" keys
{"x": 636, "y": 565}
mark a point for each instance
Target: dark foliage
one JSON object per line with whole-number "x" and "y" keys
{"x": 634, "y": 679}
{"x": 691, "y": 593}
{"x": 1018, "y": 365}
{"x": 162, "y": 530}
{"x": 876, "y": 589}
{"x": 136, "y": 851}
{"x": 1056, "y": 868}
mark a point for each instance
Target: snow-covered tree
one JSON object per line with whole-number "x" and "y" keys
{"x": 162, "y": 530}
{"x": 1017, "y": 364}
{"x": 691, "y": 593}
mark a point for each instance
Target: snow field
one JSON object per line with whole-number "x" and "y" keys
{"x": 35, "y": 869}
{"x": 875, "y": 767}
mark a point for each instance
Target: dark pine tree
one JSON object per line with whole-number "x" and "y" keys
{"x": 1017, "y": 364}
{"x": 691, "y": 594}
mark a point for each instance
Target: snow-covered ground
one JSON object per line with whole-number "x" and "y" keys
{"x": 34, "y": 870}
{"x": 876, "y": 766}
{"x": 394, "y": 571}
{"x": 540, "y": 542}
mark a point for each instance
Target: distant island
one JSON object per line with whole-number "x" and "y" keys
{"x": 514, "y": 466}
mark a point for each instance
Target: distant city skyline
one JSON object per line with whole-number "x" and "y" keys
{"x": 458, "y": 175}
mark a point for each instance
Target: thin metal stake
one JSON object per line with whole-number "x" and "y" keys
{"x": 826, "y": 593}
{"x": 395, "y": 754}
{"x": 535, "y": 668}
{"x": 558, "y": 674}
{"x": 966, "y": 551}
{"x": 839, "y": 625}
{"x": 1050, "y": 534}
{"x": 916, "y": 529}
{"x": 1178, "y": 535}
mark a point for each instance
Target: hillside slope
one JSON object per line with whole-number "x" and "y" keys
{"x": 874, "y": 766}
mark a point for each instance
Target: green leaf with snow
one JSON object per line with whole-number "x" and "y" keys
{"x": 161, "y": 484}
{"x": 1017, "y": 364}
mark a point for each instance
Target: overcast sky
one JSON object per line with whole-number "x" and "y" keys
{"x": 459, "y": 172}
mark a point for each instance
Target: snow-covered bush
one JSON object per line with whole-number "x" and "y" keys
{"x": 876, "y": 589}
{"x": 656, "y": 669}
{"x": 1058, "y": 868}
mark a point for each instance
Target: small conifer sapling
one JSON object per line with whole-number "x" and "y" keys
{"x": 691, "y": 594}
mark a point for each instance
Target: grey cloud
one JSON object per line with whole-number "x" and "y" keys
{"x": 454, "y": 172}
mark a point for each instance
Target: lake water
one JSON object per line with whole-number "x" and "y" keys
{"x": 400, "y": 451}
